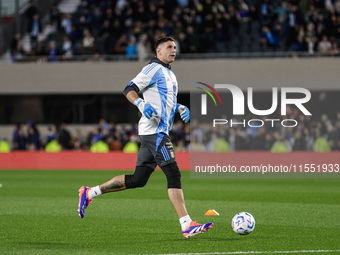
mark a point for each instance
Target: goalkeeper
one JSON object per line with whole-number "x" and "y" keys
{"x": 159, "y": 87}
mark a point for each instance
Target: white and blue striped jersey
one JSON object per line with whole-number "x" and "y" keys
{"x": 159, "y": 87}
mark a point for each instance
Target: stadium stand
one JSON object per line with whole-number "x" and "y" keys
{"x": 203, "y": 28}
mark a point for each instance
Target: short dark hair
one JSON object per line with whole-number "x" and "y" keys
{"x": 163, "y": 40}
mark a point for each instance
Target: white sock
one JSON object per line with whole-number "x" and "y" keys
{"x": 94, "y": 192}
{"x": 185, "y": 222}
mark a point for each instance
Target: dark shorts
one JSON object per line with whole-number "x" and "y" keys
{"x": 156, "y": 149}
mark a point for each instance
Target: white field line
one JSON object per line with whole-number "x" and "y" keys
{"x": 256, "y": 252}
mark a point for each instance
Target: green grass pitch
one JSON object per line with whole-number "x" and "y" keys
{"x": 38, "y": 215}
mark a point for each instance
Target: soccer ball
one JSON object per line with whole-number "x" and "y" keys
{"x": 243, "y": 223}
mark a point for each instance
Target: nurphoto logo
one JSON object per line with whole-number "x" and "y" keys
{"x": 239, "y": 104}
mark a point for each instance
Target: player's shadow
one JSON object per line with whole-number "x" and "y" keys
{"x": 210, "y": 239}
{"x": 46, "y": 245}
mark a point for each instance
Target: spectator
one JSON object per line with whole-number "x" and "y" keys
{"x": 320, "y": 31}
{"x": 118, "y": 29}
{"x": 121, "y": 45}
{"x": 106, "y": 38}
{"x": 334, "y": 137}
{"x": 31, "y": 10}
{"x": 310, "y": 37}
{"x": 40, "y": 52}
{"x": 300, "y": 44}
{"x": 33, "y": 138}
{"x": 131, "y": 50}
{"x": 49, "y": 135}
{"x": 280, "y": 11}
{"x": 67, "y": 50}
{"x": 16, "y": 130}
{"x": 96, "y": 21}
{"x": 106, "y": 134}
{"x": 14, "y": 46}
{"x": 96, "y": 136}
{"x": 265, "y": 11}
{"x": 193, "y": 40}
{"x": 241, "y": 140}
{"x": 55, "y": 17}
{"x": 66, "y": 23}
{"x": 253, "y": 14}
{"x": 88, "y": 43}
{"x": 20, "y": 141}
{"x": 299, "y": 143}
{"x": 112, "y": 128}
{"x": 322, "y": 105}
{"x": 334, "y": 50}
{"x": 75, "y": 34}
{"x": 64, "y": 137}
{"x": 325, "y": 45}
{"x": 108, "y": 15}
{"x": 76, "y": 140}
{"x": 34, "y": 30}
{"x": 103, "y": 124}
{"x": 143, "y": 48}
{"x": 268, "y": 39}
{"x": 243, "y": 11}
{"x": 52, "y": 52}
{"x": 114, "y": 144}
{"x": 268, "y": 141}
{"x": 258, "y": 141}
{"x": 311, "y": 15}
{"x": 85, "y": 19}
{"x": 19, "y": 53}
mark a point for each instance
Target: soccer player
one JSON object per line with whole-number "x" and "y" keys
{"x": 159, "y": 87}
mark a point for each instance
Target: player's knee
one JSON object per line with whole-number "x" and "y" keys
{"x": 174, "y": 181}
{"x": 141, "y": 182}
{"x": 138, "y": 179}
{"x": 131, "y": 182}
{"x": 173, "y": 176}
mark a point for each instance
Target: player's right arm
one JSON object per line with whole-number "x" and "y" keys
{"x": 131, "y": 93}
{"x": 142, "y": 81}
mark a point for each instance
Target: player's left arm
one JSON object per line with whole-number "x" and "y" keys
{"x": 184, "y": 112}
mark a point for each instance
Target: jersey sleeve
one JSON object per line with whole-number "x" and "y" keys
{"x": 144, "y": 78}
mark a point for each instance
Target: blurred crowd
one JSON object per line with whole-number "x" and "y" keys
{"x": 198, "y": 137}
{"x": 28, "y": 137}
{"x": 303, "y": 137}
{"x": 31, "y": 139}
{"x": 108, "y": 27}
